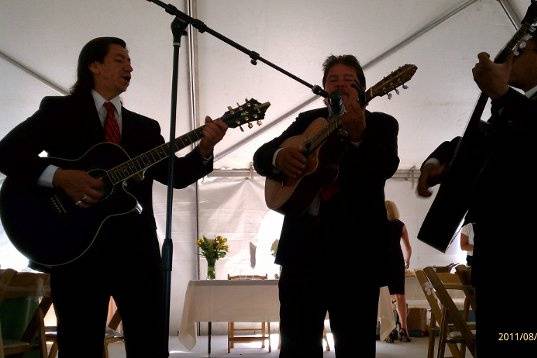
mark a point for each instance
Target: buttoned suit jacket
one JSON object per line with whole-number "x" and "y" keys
{"x": 352, "y": 223}
{"x": 66, "y": 127}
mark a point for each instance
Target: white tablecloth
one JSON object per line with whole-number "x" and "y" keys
{"x": 246, "y": 301}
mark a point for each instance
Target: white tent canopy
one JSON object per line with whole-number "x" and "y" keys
{"x": 40, "y": 42}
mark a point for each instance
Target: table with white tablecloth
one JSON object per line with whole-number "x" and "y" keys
{"x": 246, "y": 301}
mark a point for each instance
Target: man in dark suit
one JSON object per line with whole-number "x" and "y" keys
{"x": 124, "y": 262}
{"x": 501, "y": 205}
{"x": 335, "y": 242}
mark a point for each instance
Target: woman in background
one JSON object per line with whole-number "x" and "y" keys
{"x": 399, "y": 252}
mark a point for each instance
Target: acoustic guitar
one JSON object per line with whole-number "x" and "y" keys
{"x": 293, "y": 195}
{"x": 48, "y": 228}
{"x": 463, "y": 173}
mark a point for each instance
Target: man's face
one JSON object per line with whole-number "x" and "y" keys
{"x": 113, "y": 75}
{"x": 342, "y": 78}
{"x": 524, "y": 70}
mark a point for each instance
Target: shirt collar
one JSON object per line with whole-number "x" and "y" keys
{"x": 100, "y": 100}
{"x": 531, "y": 92}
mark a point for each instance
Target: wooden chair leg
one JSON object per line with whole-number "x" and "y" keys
{"x": 229, "y": 336}
{"x": 432, "y": 329}
{"x": 263, "y": 334}
{"x": 268, "y": 331}
{"x": 442, "y": 336}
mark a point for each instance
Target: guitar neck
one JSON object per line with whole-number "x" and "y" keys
{"x": 146, "y": 160}
{"x": 334, "y": 123}
{"x": 246, "y": 113}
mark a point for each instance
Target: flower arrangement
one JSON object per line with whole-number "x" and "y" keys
{"x": 212, "y": 250}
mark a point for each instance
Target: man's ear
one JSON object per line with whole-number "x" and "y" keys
{"x": 94, "y": 68}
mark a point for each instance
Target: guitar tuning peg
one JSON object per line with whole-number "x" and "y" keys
{"x": 397, "y": 91}
{"x": 250, "y": 125}
{"x": 389, "y": 96}
{"x": 259, "y": 123}
{"x": 242, "y": 129}
{"x": 238, "y": 105}
{"x": 245, "y": 99}
{"x": 516, "y": 52}
{"x": 229, "y": 108}
{"x": 405, "y": 87}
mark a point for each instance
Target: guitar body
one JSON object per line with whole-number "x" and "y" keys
{"x": 46, "y": 226}
{"x": 294, "y": 195}
{"x": 462, "y": 179}
{"x": 439, "y": 228}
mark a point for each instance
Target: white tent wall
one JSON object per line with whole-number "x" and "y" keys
{"x": 40, "y": 41}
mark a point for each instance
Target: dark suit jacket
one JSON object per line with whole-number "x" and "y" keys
{"x": 353, "y": 221}
{"x": 503, "y": 223}
{"x": 66, "y": 127}
{"x": 502, "y": 207}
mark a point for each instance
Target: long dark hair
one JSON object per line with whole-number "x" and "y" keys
{"x": 94, "y": 51}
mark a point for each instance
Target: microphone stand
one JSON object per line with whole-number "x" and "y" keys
{"x": 254, "y": 56}
{"x": 179, "y": 26}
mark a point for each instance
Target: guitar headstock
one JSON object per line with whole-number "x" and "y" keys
{"x": 526, "y": 31}
{"x": 391, "y": 82}
{"x": 250, "y": 111}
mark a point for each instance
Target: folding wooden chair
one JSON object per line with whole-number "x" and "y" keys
{"x": 454, "y": 328}
{"x": 437, "y": 313}
{"x": 264, "y": 330}
{"x": 25, "y": 295}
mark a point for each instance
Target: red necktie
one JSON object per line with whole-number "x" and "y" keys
{"x": 111, "y": 127}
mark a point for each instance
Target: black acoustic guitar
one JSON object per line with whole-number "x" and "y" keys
{"x": 464, "y": 171}
{"x": 49, "y": 229}
{"x": 293, "y": 195}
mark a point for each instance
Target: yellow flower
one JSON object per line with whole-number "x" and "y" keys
{"x": 213, "y": 249}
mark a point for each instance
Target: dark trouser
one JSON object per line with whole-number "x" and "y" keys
{"x": 306, "y": 297}
{"x": 81, "y": 292}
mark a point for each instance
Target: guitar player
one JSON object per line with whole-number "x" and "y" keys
{"x": 124, "y": 261}
{"x": 335, "y": 241}
{"x": 504, "y": 248}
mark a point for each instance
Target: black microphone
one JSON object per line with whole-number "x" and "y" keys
{"x": 335, "y": 104}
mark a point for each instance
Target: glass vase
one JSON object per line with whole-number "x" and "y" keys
{"x": 211, "y": 269}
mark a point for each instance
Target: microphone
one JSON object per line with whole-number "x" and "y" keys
{"x": 335, "y": 104}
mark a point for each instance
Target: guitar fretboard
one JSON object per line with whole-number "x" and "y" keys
{"x": 145, "y": 160}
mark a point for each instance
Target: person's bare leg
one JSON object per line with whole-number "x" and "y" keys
{"x": 402, "y": 312}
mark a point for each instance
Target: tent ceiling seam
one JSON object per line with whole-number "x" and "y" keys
{"x": 34, "y": 74}
{"x": 512, "y": 15}
{"x": 431, "y": 25}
